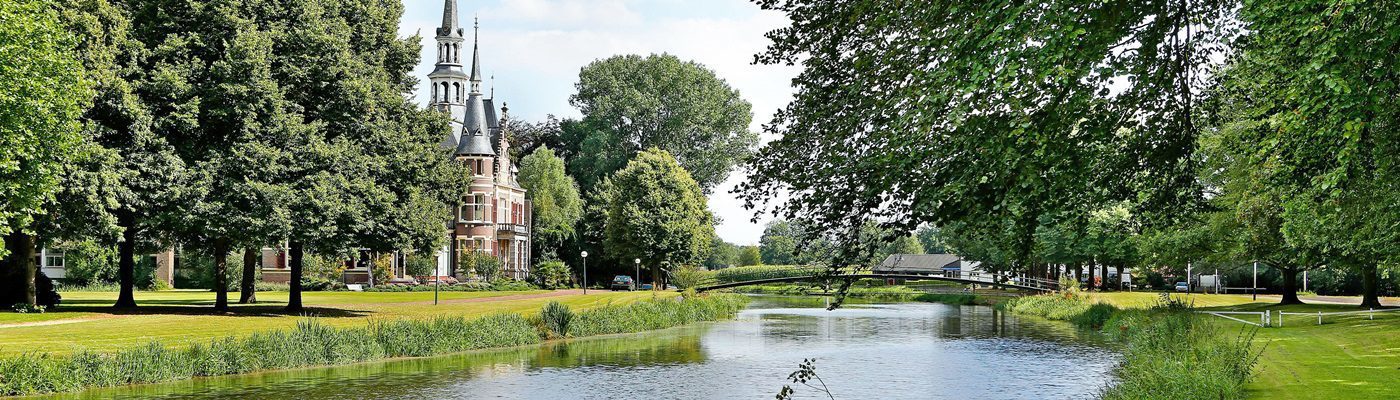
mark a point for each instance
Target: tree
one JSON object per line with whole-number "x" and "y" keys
{"x": 44, "y": 95}
{"x": 657, "y": 213}
{"x": 987, "y": 114}
{"x": 929, "y": 239}
{"x": 722, "y": 255}
{"x": 750, "y": 255}
{"x": 778, "y": 245}
{"x": 554, "y": 198}
{"x": 1326, "y": 132}
{"x": 630, "y": 103}
{"x": 552, "y": 275}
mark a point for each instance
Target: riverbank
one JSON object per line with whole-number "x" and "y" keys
{"x": 944, "y": 293}
{"x": 86, "y": 322}
{"x": 314, "y": 343}
{"x": 1348, "y": 357}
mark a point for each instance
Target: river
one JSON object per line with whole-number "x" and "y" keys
{"x": 863, "y": 351}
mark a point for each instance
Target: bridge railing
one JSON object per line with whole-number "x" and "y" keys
{"x": 762, "y": 273}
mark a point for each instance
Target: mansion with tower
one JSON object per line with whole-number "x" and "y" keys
{"x": 494, "y": 217}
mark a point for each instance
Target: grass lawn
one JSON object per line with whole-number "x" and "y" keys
{"x": 1349, "y": 357}
{"x": 179, "y": 317}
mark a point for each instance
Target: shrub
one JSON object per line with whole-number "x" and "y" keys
{"x": 556, "y": 319}
{"x": 552, "y": 275}
{"x": 420, "y": 264}
{"x": 86, "y": 262}
{"x": 382, "y": 269}
{"x": 27, "y": 308}
{"x": 689, "y": 276}
{"x": 483, "y": 266}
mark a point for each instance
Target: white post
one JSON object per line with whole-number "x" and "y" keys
{"x": 1372, "y": 313}
{"x": 1280, "y": 318}
{"x": 1188, "y": 277}
{"x": 1319, "y": 317}
{"x": 1305, "y": 280}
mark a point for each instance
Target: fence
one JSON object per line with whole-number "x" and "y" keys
{"x": 1266, "y": 317}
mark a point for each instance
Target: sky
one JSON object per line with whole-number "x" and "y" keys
{"x": 535, "y": 48}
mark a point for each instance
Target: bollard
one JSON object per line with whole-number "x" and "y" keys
{"x": 1319, "y": 317}
{"x": 1280, "y": 318}
{"x": 1372, "y": 314}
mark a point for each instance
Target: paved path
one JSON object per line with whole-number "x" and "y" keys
{"x": 555, "y": 293}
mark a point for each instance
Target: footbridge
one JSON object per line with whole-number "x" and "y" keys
{"x": 745, "y": 276}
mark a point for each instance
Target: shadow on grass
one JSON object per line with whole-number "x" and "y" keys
{"x": 181, "y": 307}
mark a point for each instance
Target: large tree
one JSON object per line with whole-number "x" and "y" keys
{"x": 554, "y": 198}
{"x": 630, "y": 103}
{"x": 657, "y": 213}
{"x": 40, "y": 141}
{"x": 1314, "y": 93}
{"x": 989, "y": 114}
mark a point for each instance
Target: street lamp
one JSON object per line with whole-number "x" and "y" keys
{"x": 638, "y": 263}
{"x": 585, "y": 271}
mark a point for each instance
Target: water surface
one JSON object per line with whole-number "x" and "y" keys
{"x": 863, "y": 351}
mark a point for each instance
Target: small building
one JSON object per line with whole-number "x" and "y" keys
{"x": 926, "y": 264}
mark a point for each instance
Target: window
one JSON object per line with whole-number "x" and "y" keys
{"x": 53, "y": 259}
{"x": 475, "y": 208}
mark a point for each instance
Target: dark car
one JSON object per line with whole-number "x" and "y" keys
{"x": 622, "y": 282}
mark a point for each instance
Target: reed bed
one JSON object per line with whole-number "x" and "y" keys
{"x": 1169, "y": 351}
{"x": 313, "y": 343}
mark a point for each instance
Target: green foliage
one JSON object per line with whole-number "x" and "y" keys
{"x": 86, "y": 262}
{"x": 420, "y": 264}
{"x": 657, "y": 213}
{"x": 311, "y": 343}
{"x": 552, "y": 275}
{"x": 555, "y": 199}
{"x": 27, "y": 308}
{"x": 750, "y": 255}
{"x": 656, "y": 314}
{"x": 481, "y": 265}
{"x": 382, "y": 269}
{"x": 689, "y": 276}
{"x": 722, "y": 254}
{"x": 631, "y": 103}
{"x": 557, "y": 318}
{"x": 45, "y": 92}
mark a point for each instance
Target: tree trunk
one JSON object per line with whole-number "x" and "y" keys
{"x": 1103, "y": 277}
{"x": 1120, "y": 276}
{"x": 126, "y": 265}
{"x": 221, "y": 274}
{"x": 21, "y": 269}
{"x": 1290, "y": 286}
{"x": 1089, "y": 283}
{"x": 247, "y": 293}
{"x": 1369, "y": 287}
{"x": 294, "y": 297}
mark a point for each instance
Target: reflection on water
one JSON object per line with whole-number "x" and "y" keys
{"x": 905, "y": 350}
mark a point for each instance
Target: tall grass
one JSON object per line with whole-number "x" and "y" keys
{"x": 557, "y": 318}
{"x": 313, "y": 343}
{"x": 1169, "y": 351}
{"x": 656, "y": 314}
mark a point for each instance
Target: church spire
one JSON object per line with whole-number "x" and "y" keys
{"x": 449, "y": 20}
{"x": 476, "y": 62}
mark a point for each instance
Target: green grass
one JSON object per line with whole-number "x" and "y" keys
{"x": 1349, "y": 357}
{"x": 312, "y": 342}
{"x": 1169, "y": 351}
{"x": 85, "y": 322}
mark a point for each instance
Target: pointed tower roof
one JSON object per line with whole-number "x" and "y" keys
{"x": 449, "y": 20}
{"x": 476, "y": 62}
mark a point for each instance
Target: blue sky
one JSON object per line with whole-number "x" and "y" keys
{"x": 534, "y": 49}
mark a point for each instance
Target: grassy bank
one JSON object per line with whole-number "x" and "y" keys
{"x": 314, "y": 343}
{"x": 1169, "y": 352}
{"x": 178, "y": 318}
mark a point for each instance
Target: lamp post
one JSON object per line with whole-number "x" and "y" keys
{"x": 638, "y": 263}
{"x": 585, "y": 271}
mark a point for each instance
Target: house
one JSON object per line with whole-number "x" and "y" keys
{"x": 926, "y": 264}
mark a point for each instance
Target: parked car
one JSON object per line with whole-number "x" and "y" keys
{"x": 1182, "y": 287}
{"x": 646, "y": 286}
{"x": 622, "y": 282}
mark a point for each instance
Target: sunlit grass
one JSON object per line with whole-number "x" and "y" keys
{"x": 183, "y": 317}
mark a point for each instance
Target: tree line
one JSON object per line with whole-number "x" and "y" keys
{"x": 1090, "y": 134}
